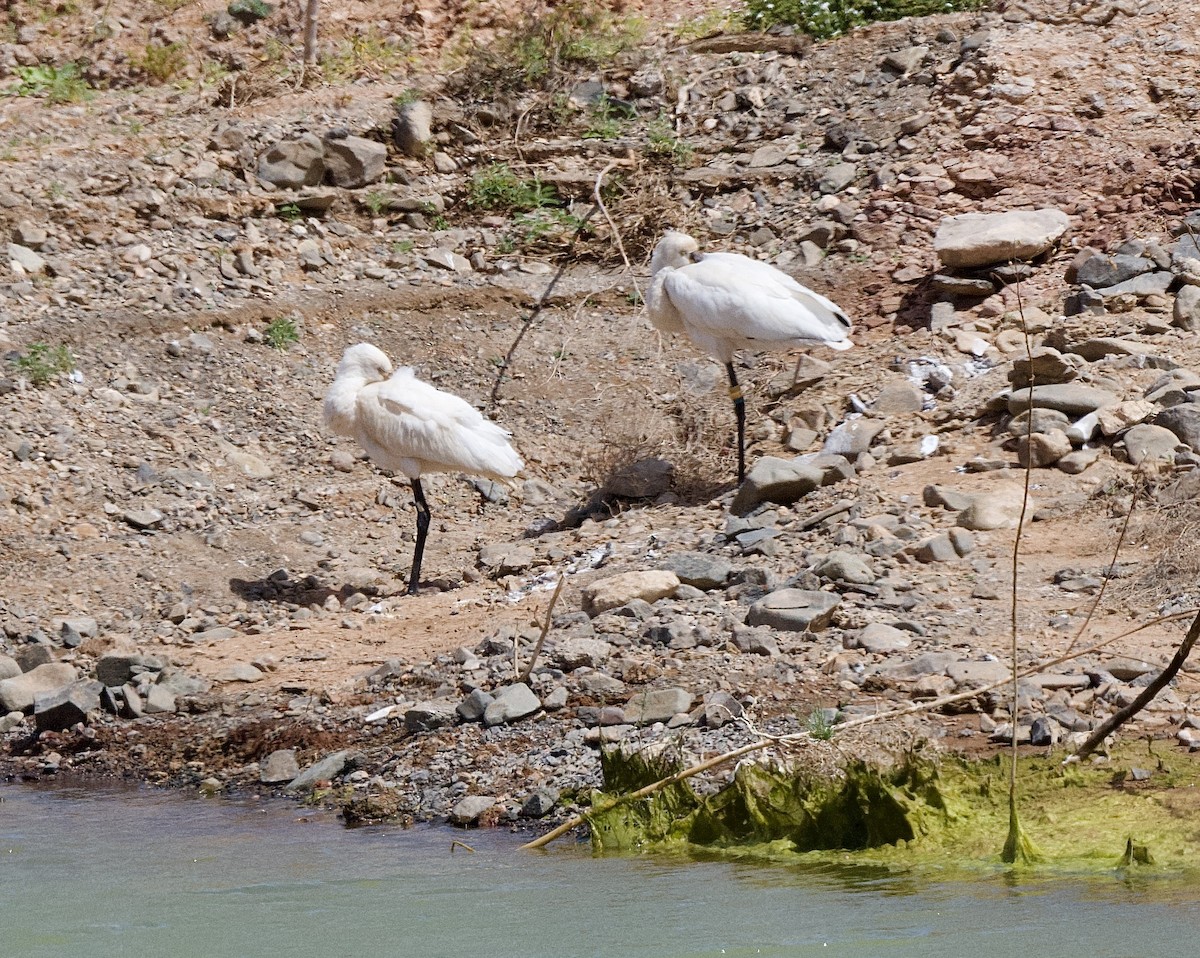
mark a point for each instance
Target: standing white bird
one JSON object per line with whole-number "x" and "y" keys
{"x": 410, "y": 427}
{"x": 725, "y": 302}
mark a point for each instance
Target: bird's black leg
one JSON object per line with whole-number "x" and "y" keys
{"x": 414, "y": 577}
{"x": 739, "y": 409}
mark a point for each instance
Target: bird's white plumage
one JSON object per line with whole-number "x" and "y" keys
{"x": 408, "y": 426}
{"x": 725, "y": 302}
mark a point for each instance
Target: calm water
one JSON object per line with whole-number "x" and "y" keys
{"x": 92, "y": 874}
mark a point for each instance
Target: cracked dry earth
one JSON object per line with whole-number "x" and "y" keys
{"x": 175, "y": 495}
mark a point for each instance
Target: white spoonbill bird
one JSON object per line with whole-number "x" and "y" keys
{"x": 409, "y": 427}
{"x": 725, "y": 302}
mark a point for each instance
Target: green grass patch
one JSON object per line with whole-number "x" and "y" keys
{"x": 281, "y": 333}
{"x": 42, "y": 363}
{"x": 161, "y": 61}
{"x": 825, "y": 19}
{"x": 498, "y": 188}
{"x": 57, "y": 84}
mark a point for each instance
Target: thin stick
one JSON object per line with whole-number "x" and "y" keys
{"x": 457, "y": 844}
{"x": 818, "y": 517}
{"x": 1121, "y": 716}
{"x": 613, "y": 226}
{"x": 1108, "y": 573}
{"x": 537, "y": 649}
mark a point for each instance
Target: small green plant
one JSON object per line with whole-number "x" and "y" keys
{"x": 58, "y": 84}
{"x": 405, "y": 97}
{"x": 605, "y": 122}
{"x": 506, "y": 244}
{"x": 403, "y": 246}
{"x": 662, "y": 142}
{"x": 439, "y": 222}
{"x": 250, "y": 11}
{"x": 281, "y": 333}
{"x": 498, "y": 188}
{"x": 365, "y": 55}
{"x": 709, "y": 24}
{"x": 288, "y": 211}
{"x": 376, "y": 202}
{"x": 161, "y": 61}
{"x": 547, "y": 224}
{"x": 824, "y": 19}
{"x": 55, "y": 190}
{"x": 819, "y": 725}
{"x": 42, "y": 363}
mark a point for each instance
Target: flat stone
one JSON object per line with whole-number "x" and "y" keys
{"x": 354, "y": 161}
{"x": 998, "y": 509}
{"x": 620, "y": 589}
{"x": 1041, "y": 449}
{"x": 429, "y": 715}
{"x": 1144, "y": 442}
{"x": 1184, "y": 422}
{"x": 776, "y": 480}
{"x": 279, "y": 766}
{"x": 1093, "y": 350}
{"x": 642, "y": 479}
{"x": 699, "y": 569}
{"x": 720, "y": 708}
{"x": 1119, "y": 417}
{"x": 324, "y": 770}
{"x": 17, "y": 694}
{"x": 8, "y": 667}
{"x": 853, "y": 437}
{"x": 897, "y": 399}
{"x": 160, "y": 699}
{"x": 239, "y": 672}
{"x": 61, "y": 708}
{"x": 575, "y": 652}
{"x": 972, "y": 240}
{"x": 468, "y": 811}
{"x": 657, "y": 705}
{"x": 1100, "y": 270}
{"x": 846, "y": 567}
{"x": 1074, "y": 399}
{"x": 880, "y": 637}
{"x": 976, "y": 674}
{"x": 1148, "y": 284}
{"x": 794, "y": 610}
{"x": 116, "y": 668}
{"x": 510, "y": 704}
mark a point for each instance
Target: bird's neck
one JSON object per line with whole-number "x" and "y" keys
{"x": 665, "y": 259}
{"x": 341, "y": 403}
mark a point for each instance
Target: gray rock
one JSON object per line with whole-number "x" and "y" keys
{"x": 324, "y": 770}
{"x": 239, "y": 672}
{"x": 510, "y": 704}
{"x": 1099, "y": 271}
{"x": 159, "y": 699}
{"x": 1073, "y": 463}
{"x": 620, "y": 589}
{"x": 755, "y": 641}
{"x": 279, "y": 766}
{"x": 1184, "y": 422}
{"x": 776, "y": 480}
{"x": 1074, "y": 399}
{"x": 1046, "y": 366}
{"x": 412, "y": 129}
{"x": 837, "y": 177}
{"x": 143, "y": 518}
{"x": 430, "y": 715}
{"x": 853, "y": 437}
{"x": 999, "y": 509}
{"x": 1042, "y": 449}
{"x": 472, "y": 708}
{"x": 897, "y": 399}
{"x": 794, "y": 610}
{"x": 937, "y": 548}
{"x": 467, "y": 812}
{"x": 976, "y": 674}
{"x": 846, "y": 567}
{"x": 291, "y": 164}
{"x": 983, "y": 239}
{"x": 572, "y": 653}
{"x": 699, "y": 569}
{"x": 879, "y": 637}
{"x": 1145, "y": 441}
{"x": 25, "y": 261}
{"x": 354, "y": 161}
{"x": 720, "y": 708}
{"x": 935, "y": 496}
{"x": 116, "y": 668}
{"x": 61, "y": 708}
{"x": 8, "y": 668}
{"x": 1186, "y": 311}
{"x": 17, "y": 694}
{"x": 30, "y": 657}
{"x": 657, "y": 705}
{"x": 540, "y": 803}
{"x": 1148, "y": 284}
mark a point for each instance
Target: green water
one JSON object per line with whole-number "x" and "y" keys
{"x": 93, "y": 874}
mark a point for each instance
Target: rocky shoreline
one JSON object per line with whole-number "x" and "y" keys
{"x": 202, "y": 590}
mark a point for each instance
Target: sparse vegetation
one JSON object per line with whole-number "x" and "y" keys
{"x": 662, "y": 142}
{"x": 376, "y": 202}
{"x": 497, "y": 187}
{"x": 43, "y": 363}
{"x": 288, "y": 211}
{"x": 819, "y": 726}
{"x": 281, "y": 333}
{"x": 161, "y": 61}
{"x": 607, "y": 120}
{"x": 365, "y": 55}
{"x": 57, "y": 84}
{"x": 250, "y": 11}
{"x": 825, "y": 19}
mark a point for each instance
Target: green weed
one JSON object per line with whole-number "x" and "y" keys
{"x": 497, "y": 187}
{"x": 288, "y": 211}
{"x": 366, "y": 55}
{"x": 662, "y": 142}
{"x": 819, "y": 725}
{"x": 58, "y": 84}
{"x": 161, "y": 61}
{"x": 403, "y": 246}
{"x": 43, "y": 363}
{"x": 281, "y": 333}
{"x": 376, "y": 202}
{"x": 824, "y": 19}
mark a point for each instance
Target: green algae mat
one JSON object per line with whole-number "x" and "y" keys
{"x": 1138, "y": 809}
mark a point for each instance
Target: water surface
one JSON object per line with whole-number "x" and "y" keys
{"x": 99, "y": 873}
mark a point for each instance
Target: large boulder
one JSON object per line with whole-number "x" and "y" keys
{"x": 291, "y": 164}
{"x": 623, "y": 588}
{"x": 17, "y": 694}
{"x": 354, "y": 161}
{"x": 972, "y": 240}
